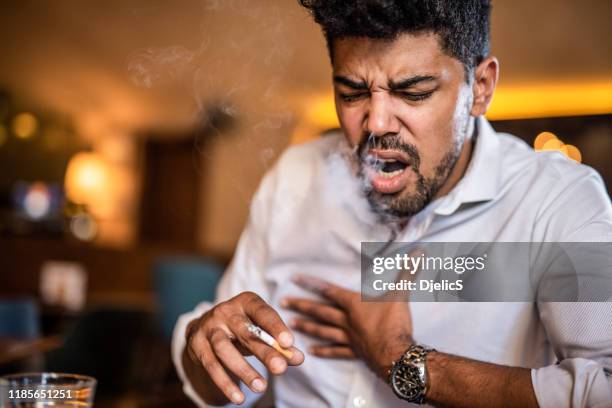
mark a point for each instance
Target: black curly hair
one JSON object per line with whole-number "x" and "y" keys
{"x": 462, "y": 25}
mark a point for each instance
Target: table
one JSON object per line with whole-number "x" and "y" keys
{"x": 12, "y": 350}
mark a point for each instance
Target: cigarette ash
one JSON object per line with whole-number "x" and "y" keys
{"x": 254, "y": 329}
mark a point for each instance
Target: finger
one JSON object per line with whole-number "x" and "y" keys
{"x": 332, "y": 352}
{"x": 320, "y": 331}
{"x": 317, "y": 310}
{"x": 268, "y": 319}
{"x": 218, "y": 375}
{"x": 243, "y": 350}
{"x": 235, "y": 362}
{"x": 273, "y": 360}
{"x": 328, "y": 290}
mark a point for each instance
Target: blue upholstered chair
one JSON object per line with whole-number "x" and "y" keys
{"x": 19, "y": 318}
{"x": 180, "y": 284}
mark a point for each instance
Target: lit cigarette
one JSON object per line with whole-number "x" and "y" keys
{"x": 268, "y": 339}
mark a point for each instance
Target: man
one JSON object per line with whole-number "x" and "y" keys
{"x": 416, "y": 161}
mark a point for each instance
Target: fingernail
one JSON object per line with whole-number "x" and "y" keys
{"x": 258, "y": 385}
{"x": 237, "y": 397}
{"x": 285, "y": 339}
{"x": 277, "y": 364}
{"x": 298, "y": 356}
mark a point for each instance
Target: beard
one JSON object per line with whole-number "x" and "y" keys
{"x": 404, "y": 204}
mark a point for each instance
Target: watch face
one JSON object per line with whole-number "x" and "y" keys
{"x": 406, "y": 382}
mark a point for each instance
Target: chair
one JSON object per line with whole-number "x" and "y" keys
{"x": 109, "y": 343}
{"x": 19, "y": 319}
{"x": 180, "y": 284}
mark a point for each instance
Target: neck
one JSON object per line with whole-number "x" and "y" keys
{"x": 462, "y": 162}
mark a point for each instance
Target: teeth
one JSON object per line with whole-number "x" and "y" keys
{"x": 392, "y": 174}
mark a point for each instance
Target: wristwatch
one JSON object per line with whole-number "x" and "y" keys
{"x": 408, "y": 375}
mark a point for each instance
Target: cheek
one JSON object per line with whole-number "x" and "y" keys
{"x": 426, "y": 122}
{"x": 432, "y": 132}
{"x": 351, "y": 122}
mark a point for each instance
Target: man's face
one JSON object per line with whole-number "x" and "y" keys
{"x": 405, "y": 106}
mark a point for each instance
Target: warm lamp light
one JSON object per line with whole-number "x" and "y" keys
{"x": 25, "y": 125}
{"x": 321, "y": 112}
{"x": 86, "y": 178}
{"x": 573, "y": 153}
{"x": 516, "y": 101}
{"x": 552, "y": 99}
{"x": 553, "y": 144}
{"x": 543, "y": 138}
{"x": 549, "y": 141}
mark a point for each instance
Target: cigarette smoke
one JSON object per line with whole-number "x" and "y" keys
{"x": 347, "y": 188}
{"x": 238, "y": 68}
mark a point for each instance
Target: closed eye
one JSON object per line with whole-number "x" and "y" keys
{"x": 353, "y": 97}
{"x": 415, "y": 97}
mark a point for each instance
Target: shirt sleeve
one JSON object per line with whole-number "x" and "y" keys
{"x": 245, "y": 273}
{"x": 580, "y": 332}
{"x": 581, "y": 336}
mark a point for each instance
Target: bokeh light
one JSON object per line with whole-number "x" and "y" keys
{"x": 83, "y": 227}
{"x": 573, "y": 153}
{"x": 37, "y": 201}
{"x": 25, "y": 125}
{"x": 542, "y": 138}
{"x": 552, "y": 144}
{"x": 86, "y": 178}
{"x": 547, "y": 141}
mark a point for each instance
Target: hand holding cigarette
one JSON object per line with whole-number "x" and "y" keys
{"x": 269, "y": 340}
{"x": 218, "y": 341}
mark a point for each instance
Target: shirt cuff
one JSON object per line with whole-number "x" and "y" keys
{"x": 575, "y": 382}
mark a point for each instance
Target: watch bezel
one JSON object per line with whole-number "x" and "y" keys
{"x": 417, "y": 371}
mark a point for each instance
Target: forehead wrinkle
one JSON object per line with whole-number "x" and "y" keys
{"x": 370, "y": 78}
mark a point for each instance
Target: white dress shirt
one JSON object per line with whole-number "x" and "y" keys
{"x": 308, "y": 216}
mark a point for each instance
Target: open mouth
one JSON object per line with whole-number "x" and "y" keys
{"x": 392, "y": 168}
{"x": 388, "y": 170}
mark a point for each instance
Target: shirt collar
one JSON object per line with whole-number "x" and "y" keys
{"x": 481, "y": 179}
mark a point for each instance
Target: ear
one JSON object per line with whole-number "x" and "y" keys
{"x": 485, "y": 80}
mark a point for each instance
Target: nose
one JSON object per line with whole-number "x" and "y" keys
{"x": 380, "y": 119}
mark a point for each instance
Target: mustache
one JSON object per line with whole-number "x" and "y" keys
{"x": 389, "y": 142}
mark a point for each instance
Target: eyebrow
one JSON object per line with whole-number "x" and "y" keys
{"x": 401, "y": 84}
{"x": 408, "y": 82}
{"x": 350, "y": 83}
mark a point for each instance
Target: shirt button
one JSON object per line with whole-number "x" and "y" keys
{"x": 359, "y": 401}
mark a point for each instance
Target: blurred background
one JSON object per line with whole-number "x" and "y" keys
{"x": 133, "y": 134}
